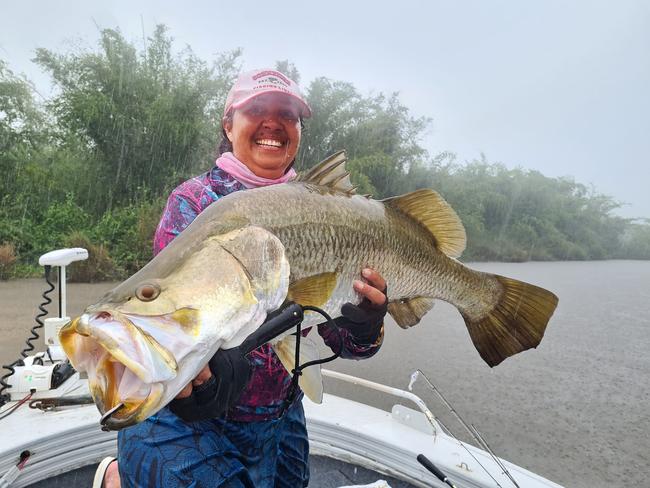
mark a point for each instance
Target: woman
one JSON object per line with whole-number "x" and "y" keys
{"x": 249, "y": 439}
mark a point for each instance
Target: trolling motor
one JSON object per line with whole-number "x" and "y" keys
{"x": 60, "y": 258}
{"x": 48, "y": 370}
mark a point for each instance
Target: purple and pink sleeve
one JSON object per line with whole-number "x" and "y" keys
{"x": 183, "y": 205}
{"x": 269, "y": 380}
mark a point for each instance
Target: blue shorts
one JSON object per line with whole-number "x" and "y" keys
{"x": 165, "y": 451}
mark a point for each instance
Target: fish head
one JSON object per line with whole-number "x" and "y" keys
{"x": 147, "y": 338}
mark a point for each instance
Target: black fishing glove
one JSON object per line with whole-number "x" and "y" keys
{"x": 231, "y": 371}
{"x": 364, "y": 321}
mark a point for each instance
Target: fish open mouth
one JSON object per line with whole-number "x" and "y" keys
{"x": 117, "y": 386}
{"x": 125, "y": 363}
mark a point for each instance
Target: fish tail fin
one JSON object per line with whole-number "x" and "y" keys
{"x": 515, "y": 324}
{"x": 311, "y": 380}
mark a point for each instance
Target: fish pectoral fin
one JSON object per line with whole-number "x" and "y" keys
{"x": 313, "y": 290}
{"x": 407, "y": 312}
{"x": 516, "y": 323}
{"x": 331, "y": 173}
{"x": 311, "y": 380}
{"x": 431, "y": 210}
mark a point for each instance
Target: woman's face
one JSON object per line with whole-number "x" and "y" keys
{"x": 265, "y": 134}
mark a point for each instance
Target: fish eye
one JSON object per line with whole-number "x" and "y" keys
{"x": 147, "y": 292}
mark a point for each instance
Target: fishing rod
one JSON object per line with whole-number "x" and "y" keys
{"x": 432, "y": 468}
{"x": 474, "y": 433}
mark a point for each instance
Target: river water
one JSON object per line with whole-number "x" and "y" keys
{"x": 575, "y": 410}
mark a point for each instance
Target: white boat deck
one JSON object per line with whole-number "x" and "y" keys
{"x": 70, "y": 438}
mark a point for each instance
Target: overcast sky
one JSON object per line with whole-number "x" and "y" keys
{"x": 558, "y": 86}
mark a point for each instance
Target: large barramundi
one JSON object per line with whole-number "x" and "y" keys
{"x": 304, "y": 241}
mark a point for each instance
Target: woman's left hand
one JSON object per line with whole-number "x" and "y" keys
{"x": 364, "y": 321}
{"x": 374, "y": 289}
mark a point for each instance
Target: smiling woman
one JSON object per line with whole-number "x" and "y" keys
{"x": 262, "y": 439}
{"x": 262, "y": 122}
{"x": 266, "y": 134}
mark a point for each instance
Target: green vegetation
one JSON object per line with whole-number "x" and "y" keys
{"x": 92, "y": 165}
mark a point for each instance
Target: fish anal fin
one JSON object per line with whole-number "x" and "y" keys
{"x": 515, "y": 324}
{"x": 407, "y": 312}
{"x": 313, "y": 290}
{"x": 330, "y": 173}
{"x": 431, "y": 210}
{"x": 311, "y": 380}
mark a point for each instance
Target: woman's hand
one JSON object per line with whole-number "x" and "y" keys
{"x": 365, "y": 321}
{"x": 204, "y": 375}
{"x": 375, "y": 288}
{"x": 216, "y": 388}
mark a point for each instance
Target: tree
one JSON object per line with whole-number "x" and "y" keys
{"x": 129, "y": 123}
{"x": 22, "y": 128}
{"x": 150, "y": 117}
{"x": 376, "y": 127}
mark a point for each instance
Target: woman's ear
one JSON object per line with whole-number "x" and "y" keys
{"x": 226, "y": 123}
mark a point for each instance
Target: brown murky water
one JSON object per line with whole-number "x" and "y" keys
{"x": 574, "y": 410}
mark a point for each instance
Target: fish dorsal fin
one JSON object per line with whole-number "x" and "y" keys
{"x": 431, "y": 210}
{"x": 313, "y": 290}
{"x": 407, "y": 312}
{"x": 330, "y": 173}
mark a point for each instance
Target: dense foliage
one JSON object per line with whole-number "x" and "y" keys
{"x": 92, "y": 165}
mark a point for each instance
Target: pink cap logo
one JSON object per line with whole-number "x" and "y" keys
{"x": 272, "y": 74}
{"x": 252, "y": 84}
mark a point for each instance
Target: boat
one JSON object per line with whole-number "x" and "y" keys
{"x": 51, "y": 432}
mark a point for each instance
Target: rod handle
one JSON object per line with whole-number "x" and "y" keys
{"x": 432, "y": 468}
{"x": 279, "y": 322}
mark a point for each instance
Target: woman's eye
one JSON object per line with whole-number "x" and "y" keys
{"x": 289, "y": 116}
{"x": 256, "y": 110}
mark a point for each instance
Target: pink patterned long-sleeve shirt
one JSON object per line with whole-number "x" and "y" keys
{"x": 263, "y": 397}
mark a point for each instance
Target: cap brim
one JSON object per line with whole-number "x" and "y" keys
{"x": 305, "y": 111}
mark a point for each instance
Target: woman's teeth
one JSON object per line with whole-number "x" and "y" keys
{"x": 268, "y": 142}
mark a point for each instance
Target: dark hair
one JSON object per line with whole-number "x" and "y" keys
{"x": 226, "y": 146}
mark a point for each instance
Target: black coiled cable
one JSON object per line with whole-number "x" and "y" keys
{"x": 39, "y": 323}
{"x": 5, "y": 397}
{"x": 297, "y": 372}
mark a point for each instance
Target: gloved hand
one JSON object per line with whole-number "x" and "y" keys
{"x": 231, "y": 371}
{"x": 364, "y": 321}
